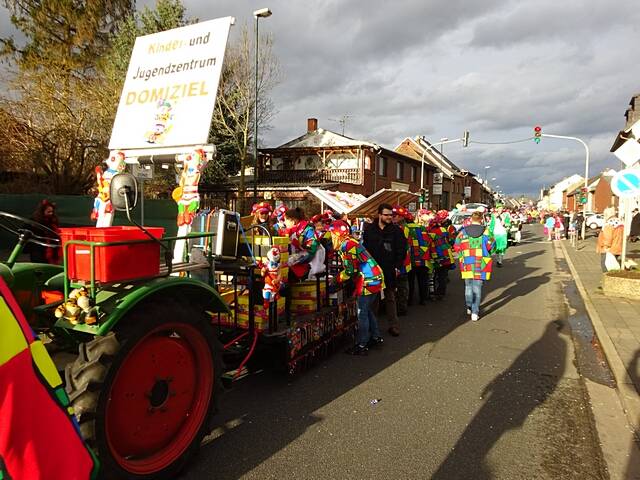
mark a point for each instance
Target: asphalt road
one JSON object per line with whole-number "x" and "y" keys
{"x": 497, "y": 399}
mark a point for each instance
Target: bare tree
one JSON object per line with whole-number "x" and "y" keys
{"x": 234, "y": 114}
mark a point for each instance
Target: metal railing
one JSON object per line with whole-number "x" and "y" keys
{"x": 335, "y": 175}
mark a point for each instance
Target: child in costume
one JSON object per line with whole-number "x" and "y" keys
{"x": 279, "y": 227}
{"x": 261, "y": 213}
{"x": 367, "y": 275}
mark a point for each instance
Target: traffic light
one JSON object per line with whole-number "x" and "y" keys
{"x": 465, "y": 138}
{"x": 537, "y": 133}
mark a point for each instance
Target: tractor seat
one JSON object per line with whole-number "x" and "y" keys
{"x": 55, "y": 283}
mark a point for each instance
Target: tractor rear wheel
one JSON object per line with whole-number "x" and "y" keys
{"x": 144, "y": 395}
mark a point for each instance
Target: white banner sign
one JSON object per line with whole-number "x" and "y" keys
{"x": 170, "y": 90}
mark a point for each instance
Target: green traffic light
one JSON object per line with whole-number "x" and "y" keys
{"x": 537, "y": 140}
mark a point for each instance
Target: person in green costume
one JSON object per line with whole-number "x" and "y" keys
{"x": 499, "y": 227}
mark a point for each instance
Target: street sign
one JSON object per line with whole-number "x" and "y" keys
{"x": 142, "y": 172}
{"x": 626, "y": 183}
{"x": 467, "y": 191}
{"x": 437, "y": 189}
{"x": 628, "y": 152}
{"x": 437, "y": 178}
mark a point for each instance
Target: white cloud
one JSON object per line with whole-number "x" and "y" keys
{"x": 495, "y": 67}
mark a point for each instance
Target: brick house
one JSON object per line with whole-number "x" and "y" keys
{"x": 600, "y": 195}
{"x": 325, "y": 159}
{"x": 454, "y": 179}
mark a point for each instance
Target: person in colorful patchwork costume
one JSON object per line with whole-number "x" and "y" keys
{"x": 304, "y": 244}
{"x": 401, "y": 216}
{"x": 499, "y": 228}
{"x": 473, "y": 246}
{"x": 441, "y": 252}
{"x": 421, "y": 263}
{"x": 368, "y": 278}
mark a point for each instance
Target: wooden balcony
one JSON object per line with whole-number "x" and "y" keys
{"x": 309, "y": 177}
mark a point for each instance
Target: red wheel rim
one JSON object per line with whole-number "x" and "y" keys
{"x": 159, "y": 398}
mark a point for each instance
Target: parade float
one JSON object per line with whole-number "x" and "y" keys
{"x": 146, "y": 328}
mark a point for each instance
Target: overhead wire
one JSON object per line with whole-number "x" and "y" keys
{"x": 502, "y": 143}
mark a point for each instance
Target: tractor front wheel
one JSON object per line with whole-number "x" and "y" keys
{"x": 144, "y": 395}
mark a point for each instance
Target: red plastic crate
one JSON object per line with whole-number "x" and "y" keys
{"x": 112, "y": 264}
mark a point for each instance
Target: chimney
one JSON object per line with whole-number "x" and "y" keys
{"x": 312, "y": 125}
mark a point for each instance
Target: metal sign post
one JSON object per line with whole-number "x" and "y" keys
{"x": 626, "y": 185}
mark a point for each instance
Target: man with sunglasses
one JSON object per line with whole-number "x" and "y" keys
{"x": 387, "y": 244}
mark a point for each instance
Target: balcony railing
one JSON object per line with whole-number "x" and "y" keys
{"x": 305, "y": 177}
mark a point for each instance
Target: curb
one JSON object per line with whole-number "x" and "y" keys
{"x": 625, "y": 388}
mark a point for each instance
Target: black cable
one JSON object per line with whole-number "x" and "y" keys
{"x": 502, "y": 143}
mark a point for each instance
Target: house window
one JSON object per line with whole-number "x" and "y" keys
{"x": 399, "y": 170}
{"x": 414, "y": 173}
{"x": 382, "y": 166}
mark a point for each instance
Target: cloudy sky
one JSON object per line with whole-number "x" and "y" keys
{"x": 437, "y": 68}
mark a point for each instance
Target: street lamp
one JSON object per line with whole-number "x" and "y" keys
{"x": 261, "y": 13}
{"x": 487, "y": 167}
{"x": 442, "y": 145}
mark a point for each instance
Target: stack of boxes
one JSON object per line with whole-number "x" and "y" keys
{"x": 261, "y": 314}
{"x": 261, "y": 245}
{"x": 304, "y": 297}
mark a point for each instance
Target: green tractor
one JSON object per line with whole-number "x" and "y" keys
{"x": 143, "y": 370}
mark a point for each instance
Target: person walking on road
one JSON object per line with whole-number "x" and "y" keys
{"x": 549, "y": 225}
{"x": 473, "y": 246}
{"x": 387, "y": 245}
{"x": 499, "y": 229}
{"x": 367, "y": 276}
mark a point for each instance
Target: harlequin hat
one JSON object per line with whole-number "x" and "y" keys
{"x": 261, "y": 207}
{"x": 339, "y": 227}
{"x": 442, "y": 215}
{"x": 280, "y": 211}
{"x": 399, "y": 210}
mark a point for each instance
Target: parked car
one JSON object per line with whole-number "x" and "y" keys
{"x": 595, "y": 221}
{"x": 458, "y": 218}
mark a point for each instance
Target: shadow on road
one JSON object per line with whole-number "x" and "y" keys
{"x": 275, "y": 410}
{"x": 510, "y": 399}
{"x": 265, "y": 414}
{"x": 521, "y": 288}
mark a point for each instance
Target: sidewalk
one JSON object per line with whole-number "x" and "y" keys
{"x": 616, "y": 322}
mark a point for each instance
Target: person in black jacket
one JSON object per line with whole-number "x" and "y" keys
{"x": 387, "y": 245}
